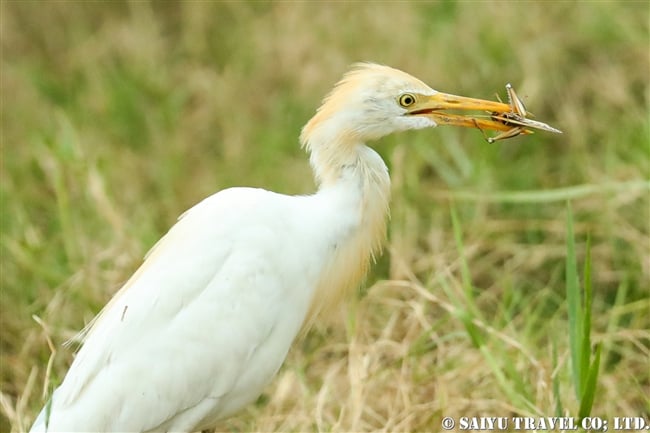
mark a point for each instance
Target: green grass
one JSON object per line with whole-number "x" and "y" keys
{"x": 583, "y": 369}
{"x": 116, "y": 117}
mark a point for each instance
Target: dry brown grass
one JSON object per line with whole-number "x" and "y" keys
{"x": 117, "y": 117}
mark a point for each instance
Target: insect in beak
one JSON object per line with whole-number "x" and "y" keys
{"x": 517, "y": 119}
{"x": 509, "y": 119}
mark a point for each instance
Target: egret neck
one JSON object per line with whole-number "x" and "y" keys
{"x": 354, "y": 179}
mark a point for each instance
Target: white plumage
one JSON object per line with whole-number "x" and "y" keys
{"x": 206, "y": 322}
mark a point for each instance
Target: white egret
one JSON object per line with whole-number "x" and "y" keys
{"x": 206, "y": 322}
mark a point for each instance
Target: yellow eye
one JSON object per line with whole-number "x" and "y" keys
{"x": 406, "y": 100}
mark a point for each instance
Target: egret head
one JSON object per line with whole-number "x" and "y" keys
{"x": 372, "y": 101}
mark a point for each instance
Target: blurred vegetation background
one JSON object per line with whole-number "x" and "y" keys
{"x": 118, "y": 116}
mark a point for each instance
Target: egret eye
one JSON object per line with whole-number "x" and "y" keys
{"x": 406, "y": 100}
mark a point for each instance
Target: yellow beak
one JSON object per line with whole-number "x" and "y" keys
{"x": 434, "y": 105}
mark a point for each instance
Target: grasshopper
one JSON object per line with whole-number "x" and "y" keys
{"x": 517, "y": 119}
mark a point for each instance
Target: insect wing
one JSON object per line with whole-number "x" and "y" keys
{"x": 537, "y": 125}
{"x": 514, "y": 119}
{"x": 517, "y": 104}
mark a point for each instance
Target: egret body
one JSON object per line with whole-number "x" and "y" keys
{"x": 206, "y": 322}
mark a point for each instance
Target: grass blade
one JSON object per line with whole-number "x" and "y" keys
{"x": 585, "y": 349}
{"x": 573, "y": 304}
{"x": 587, "y": 397}
{"x": 464, "y": 268}
{"x": 548, "y": 195}
{"x": 469, "y": 312}
{"x": 556, "y": 381}
{"x": 589, "y": 377}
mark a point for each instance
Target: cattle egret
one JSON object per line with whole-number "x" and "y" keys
{"x": 206, "y": 322}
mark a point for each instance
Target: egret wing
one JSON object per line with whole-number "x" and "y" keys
{"x": 176, "y": 340}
